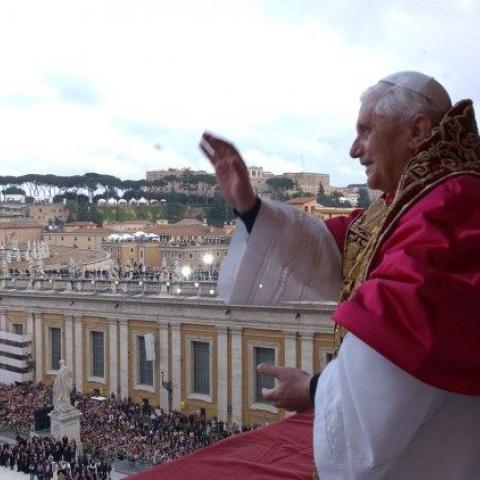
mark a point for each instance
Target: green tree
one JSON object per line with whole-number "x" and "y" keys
{"x": 219, "y": 212}
{"x": 279, "y": 186}
{"x": 323, "y": 198}
{"x": 175, "y": 212}
{"x": 280, "y": 183}
{"x": 13, "y": 191}
{"x": 363, "y": 198}
{"x": 337, "y": 200}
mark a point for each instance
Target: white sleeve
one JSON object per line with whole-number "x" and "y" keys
{"x": 367, "y": 410}
{"x": 289, "y": 256}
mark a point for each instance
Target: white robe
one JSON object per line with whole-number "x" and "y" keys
{"x": 372, "y": 419}
{"x": 289, "y": 256}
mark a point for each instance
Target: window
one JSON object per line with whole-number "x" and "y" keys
{"x": 145, "y": 367}
{"x": 328, "y": 358}
{"x": 262, "y": 354}
{"x": 17, "y": 328}
{"x": 200, "y": 368}
{"x": 190, "y": 255}
{"x": 97, "y": 355}
{"x": 55, "y": 347}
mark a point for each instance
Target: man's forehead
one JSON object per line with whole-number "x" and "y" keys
{"x": 366, "y": 113}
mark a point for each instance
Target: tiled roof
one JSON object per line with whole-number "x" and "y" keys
{"x": 301, "y": 200}
{"x": 12, "y": 225}
{"x": 188, "y": 229}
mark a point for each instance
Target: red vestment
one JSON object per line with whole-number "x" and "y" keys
{"x": 420, "y": 304}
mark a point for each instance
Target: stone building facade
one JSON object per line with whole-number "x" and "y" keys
{"x": 20, "y": 232}
{"x": 45, "y": 213}
{"x": 134, "y": 253}
{"x": 309, "y": 182}
{"x": 78, "y": 237}
{"x": 185, "y": 354}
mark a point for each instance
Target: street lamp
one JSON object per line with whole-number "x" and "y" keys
{"x": 208, "y": 260}
{"x": 186, "y": 271}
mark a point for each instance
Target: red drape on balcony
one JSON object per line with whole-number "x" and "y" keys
{"x": 280, "y": 451}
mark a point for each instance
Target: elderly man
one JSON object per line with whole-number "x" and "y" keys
{"x": 402, "y": 398}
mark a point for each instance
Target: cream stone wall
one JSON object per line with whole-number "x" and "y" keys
{"x": 23, "y": 232}
{"x": 43, "y": 214}
{"x": 127, "y": 253}
{"x": 85, "y": 239}
{"x": 301, "y": 335}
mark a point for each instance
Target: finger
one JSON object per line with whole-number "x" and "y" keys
{"x": 205, "y": 144}
{"x": 269, "y": 370}
{"x": 208, "y": 153}
{"x": 221, "y": 146}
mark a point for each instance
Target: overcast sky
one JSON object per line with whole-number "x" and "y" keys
{"x": 121, "y": 87}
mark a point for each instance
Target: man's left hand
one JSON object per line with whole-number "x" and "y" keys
{"x": 292, "y": 391}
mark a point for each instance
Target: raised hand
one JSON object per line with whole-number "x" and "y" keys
{"x": 231, "y": 171}
{"x": 292, "y": 390}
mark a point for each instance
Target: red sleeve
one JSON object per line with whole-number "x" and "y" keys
{"x": 338, "y": 226}
{"x": 420, "y": 304}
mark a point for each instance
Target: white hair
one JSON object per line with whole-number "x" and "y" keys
{"x": 402, "y": 102}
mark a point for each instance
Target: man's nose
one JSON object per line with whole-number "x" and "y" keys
{"x": 355, "y": 149}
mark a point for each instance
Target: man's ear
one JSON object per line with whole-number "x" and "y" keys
{"x": 420, "y": 127}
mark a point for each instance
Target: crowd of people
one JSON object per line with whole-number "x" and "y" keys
{"x": 135, "y": 272}
{"x": 47, "y": 458}
{"x": 113, "y": 428}
{"x": 18, "y": 404}
{"x": 142, "y": 433}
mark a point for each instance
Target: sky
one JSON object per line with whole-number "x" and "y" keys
{"x": 122, "y": 87}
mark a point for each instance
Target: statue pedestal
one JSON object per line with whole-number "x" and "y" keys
{"x": 66, "y": 424}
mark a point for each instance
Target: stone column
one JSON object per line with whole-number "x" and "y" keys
{"x": 69, "y": 341}
{"x": 307, "y": 351}
{"x": 39, "y": 348}
{"x": 31, "y": 331}
{"x": 124, "y": 358}
{"x": 222, "y": 371}
{"x": 3, "y": 321}
{"x": 77, "y": 319}
{"x": 113, "y": 354}
{"x": 164, "y": 366}
{"x": 290, "y": 349}
{"x": 124, "y": 392}
{"x": 30, "y": 322}
{"x": 237, "y": 376}
{"x": 176, "y": 366}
